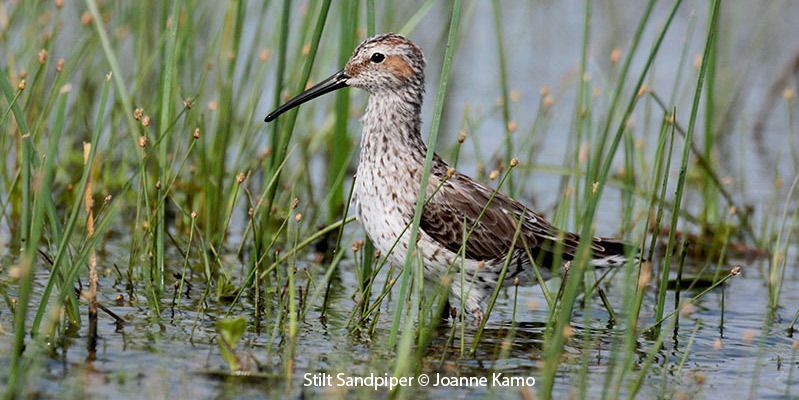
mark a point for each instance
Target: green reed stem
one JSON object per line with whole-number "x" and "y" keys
{"x": 684, "y": 166}
{"x": 503, "y": 84}
{"x": 110, "y": 55}
{"x": 280, "y": 142}
{"x": 370, "y": 17}
{"x": 280, "y": 71}
{"x": 557, "y": 340}
{"x": 167, "y": 73}
{"x": 446, "y": 68}
{"x": 63, "y": 245}
{"x": 339, "y": 141}
{"x": 27, "y": 263}
{"x": 186, "y": 260}
{"x": 416, "y": 18}
{"x": 498, "y": 287}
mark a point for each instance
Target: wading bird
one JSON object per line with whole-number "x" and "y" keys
{"x": 391, "y": 69}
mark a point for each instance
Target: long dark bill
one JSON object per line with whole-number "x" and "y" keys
{"x": 335, "y": 82}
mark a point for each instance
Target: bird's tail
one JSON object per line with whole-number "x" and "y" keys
{"x": 609, "y": 253}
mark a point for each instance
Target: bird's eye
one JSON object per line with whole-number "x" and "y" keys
{"x": 377, "y": 58}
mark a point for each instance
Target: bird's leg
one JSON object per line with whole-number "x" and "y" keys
{"x": 471, "y": 297}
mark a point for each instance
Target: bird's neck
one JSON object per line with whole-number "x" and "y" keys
{"x": 392, "y": 123}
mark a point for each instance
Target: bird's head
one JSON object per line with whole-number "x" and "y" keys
{"x": 388, "y": 62}
{"x": 382, "y": 63}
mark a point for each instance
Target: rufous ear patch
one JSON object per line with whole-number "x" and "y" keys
{"x": 398, "y": 66}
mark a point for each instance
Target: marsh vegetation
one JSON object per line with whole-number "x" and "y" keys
{"x": 158, "y": 239}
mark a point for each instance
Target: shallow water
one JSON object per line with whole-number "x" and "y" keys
{"x": 177, "y": 356}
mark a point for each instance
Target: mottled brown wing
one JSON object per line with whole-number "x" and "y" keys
{"x": 456, "y": 206}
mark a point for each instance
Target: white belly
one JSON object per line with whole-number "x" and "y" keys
{"x": 382, "y": 215}
{"x": 385, "y": 209}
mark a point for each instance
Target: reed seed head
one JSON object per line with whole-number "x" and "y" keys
{"x": 645, "y": 275}
{"x": 187, "y": 103}
{"x": 240, "y": 177}
{"x": 462, "y": 136}
{"x": 568, "y": 331}
{"x": 158, "y": 185}
{"x": 615, "y": 55}
{"x": 749, "y": 336}
{"x": 697, "y": 61}
{"x": 445, "y": 280}
{"x": 143, "y": 141}
{"x": 213, "y": 105}
{"x": 263, "y": 55}
{"x": 687, "y": 309}
{"x": 493, "y": 175}
{"x": 196, "y": 134}
{"x": 86, "y": 18}
{"x": 566, "y": 267}
{"x": 138, "y": 114}
{"x": 298, "y": 217}
{"x": 544, "y": 91}
{"x": 630, "y": 123}
{"x": 42, "y": 56}
{"x": 514, "y": 162}
{"x": 59, "y": 4}
{"x": 515, "y": 96}
{"x": 699, "y": 377}
{"x": 671, "y": 118}
{"x": 59, "y": 65}
{"x": 450, "y": 172}
{"x": 145, "y": 121}
{"x": 512, "y": 126}
{"x": 21, "y": 85}
{"x": 582, "y": 153}
{"x": 736, "y": 270}
{"x": 549, "y": 102}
